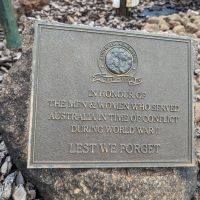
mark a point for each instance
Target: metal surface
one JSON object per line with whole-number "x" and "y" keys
{"x": 8, "y": 21}
{"x": 107, "y": 98}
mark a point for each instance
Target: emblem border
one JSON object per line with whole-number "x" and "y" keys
{"x": 104, "y": 51}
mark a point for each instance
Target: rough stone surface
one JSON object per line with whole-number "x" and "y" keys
{"x": 179, "y": 29}
{"x": 151, "y": 27}
{"x": 67, "y": 184}
{"x": 19, "y": 193}
{"x": 191, "y": 28}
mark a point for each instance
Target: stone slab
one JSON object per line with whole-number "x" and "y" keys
{"x": 110, "y": 98}
{"x": 88, "y": 184}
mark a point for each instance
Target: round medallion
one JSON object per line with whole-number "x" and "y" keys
{"x": 118, "y": 58}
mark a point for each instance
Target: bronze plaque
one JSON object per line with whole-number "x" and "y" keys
{"x": 110, "y": 98}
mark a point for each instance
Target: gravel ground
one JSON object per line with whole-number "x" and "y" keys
{"x": 12, "y": 183}
{"x": 92, "y": 13}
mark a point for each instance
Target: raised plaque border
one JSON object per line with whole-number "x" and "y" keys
{"x": 112, "y": 164}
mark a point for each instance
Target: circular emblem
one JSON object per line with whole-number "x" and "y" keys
{"x": 118, "y": 58}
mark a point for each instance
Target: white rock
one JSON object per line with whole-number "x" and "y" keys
{"x": 191, "y": 27}
{"x": 7, "y": 165}
{"x": 91, "y": 23}
{"x": 23, "y": 18}
{"x": 19, "y": 193}
{"x": 62, "y": 9}
{"x": 32, "y": 194}
{"x": 7, "y": 191}
{"x": 132, "y": 3}
{"x": 4, "y": 168}
{"x": 7, "y": 186}
{"x": 197, "y": 71}
{"x": 4, "y": 69}
{"x": 151, "y": 27}
{"x": 197, "y": 97}
{"x": 10, "y": 178}
{"x": 17, "y": 56}
{"x": 55, "y": 5}
{"x": 3, "y": 147}
{"x": 46, "y": 8}
{"x": 5, "y": 59}
{"x": 193, "y": 12}
{"x": 116, "y": 4}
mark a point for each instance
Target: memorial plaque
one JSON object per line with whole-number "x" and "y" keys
{"x": 110, "y": 98}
